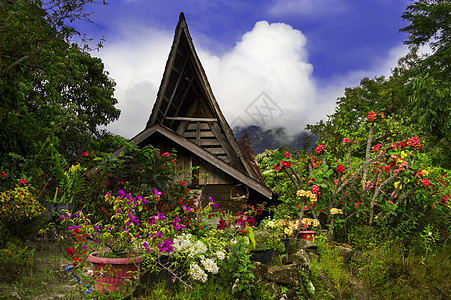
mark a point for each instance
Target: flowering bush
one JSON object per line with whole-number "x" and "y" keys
{"x": 353, "y": 184}
{"x": 17, "y": 205}
{"x": 200, "y": 255}
{"x": 286, "y": 227}
{"x": 128, "y": 234}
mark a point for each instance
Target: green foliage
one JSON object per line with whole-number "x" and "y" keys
{"x": 53, "y": 94}
{"x": 332, "y": 266}
{"x": 18, "y": 205}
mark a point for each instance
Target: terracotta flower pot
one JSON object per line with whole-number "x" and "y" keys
{"x": 110, "y": 272}
{"x": 307, "y": 235}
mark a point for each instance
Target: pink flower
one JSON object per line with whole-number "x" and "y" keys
{"x": 287, "y": 155}
{"x": 341, "y": 168}
{"x": 165, "y": 154}
{"x": 84, "y": 154}
{"x": 183, "y": 183}
{"x": 415, "y": 143}
{"x": 346, "y": 140}
{"x": 376, "y": 147}
{"x": 319, "y": 148}
{"x": 23, "y": 181}
{"x": 394, "y": 157}
{"x": 315, "y": 189}
{"x": 386, "y": 168}
{"x": 372, "y": 116}
{"x": 393, "y": 145}
{"x": 425, "y": 182}
{"x": 4, "y": 174}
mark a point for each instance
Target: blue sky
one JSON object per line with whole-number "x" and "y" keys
{"x": 300, "y": 53}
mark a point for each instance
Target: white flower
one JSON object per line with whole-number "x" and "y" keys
{"x": 210, "y": 265}
{"x": 182, "y": 242}
{"x": 197, "y": 273}
{"x": 233, "y": 242}
{"x": 220, "y": 255}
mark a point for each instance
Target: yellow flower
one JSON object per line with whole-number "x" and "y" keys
{"x": 403, "y": 154}
{"x": 300, "y": 193}
{"x": 288, "y": 231}
{"x": 335, "y": 211}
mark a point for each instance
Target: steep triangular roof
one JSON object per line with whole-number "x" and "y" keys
{"x": 186, "y": 105}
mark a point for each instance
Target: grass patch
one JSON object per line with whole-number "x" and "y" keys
{"x": 32, "y": 269}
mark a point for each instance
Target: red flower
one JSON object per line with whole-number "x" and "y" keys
{"x": 287, "y": 155}
{"x": 376, "y": 147}
{"x": 84, "y": 154}
{"x": 401, "y": 145}
{"x": 285, "y": 164}
{"x": 358, "y": 203}
{"x": 315, "y": 189}
{"x": 341, "y": 168}
{"x": 346, "y": 140}
{"x": 372, "y": 116}
{"x": 70, "y": 251}
{"x": 23, "y": 181}
{"x": 77, "y": 230}
{"x": 425, "y": 182}
{"x": 319, "y": 148}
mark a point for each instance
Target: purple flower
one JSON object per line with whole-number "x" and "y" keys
{"x": 161, "y": 216}
{"x": 187, "y": 208}
{"x": 157, "y": 194}
{"x": 159, "y": 234}
{"x": 121, "y": 193}
{"x": 118, "y": 210}
{"x": 166, "y": 246}
{"x": 62, "y": 217}
{"x": 210, "y": 199}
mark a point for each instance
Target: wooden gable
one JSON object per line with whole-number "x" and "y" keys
{"x": 186, "y": 104}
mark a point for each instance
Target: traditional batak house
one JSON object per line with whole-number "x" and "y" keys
{"x": 186, "y": 117}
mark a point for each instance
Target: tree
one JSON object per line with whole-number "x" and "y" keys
{"x": 53, "y": 94}
{"x": 430, "y": 25}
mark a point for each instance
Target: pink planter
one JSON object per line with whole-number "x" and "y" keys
{"x": 110, "y": 272}
{"x": 307, "y": 235}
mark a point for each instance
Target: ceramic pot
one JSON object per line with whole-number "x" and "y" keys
{"x": 110, "y": 272}
{"x": 307, "y": 235}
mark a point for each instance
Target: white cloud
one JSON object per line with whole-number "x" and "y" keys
{"x": 136, "y": 64}
{"x": 270, "y": 59}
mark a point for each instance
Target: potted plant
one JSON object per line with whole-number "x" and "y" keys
{"x": 70, "y": 183}
{"x": 266, "y": 243}
{"x": 124, "y": 240}
{"x": 306, "y": 224}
